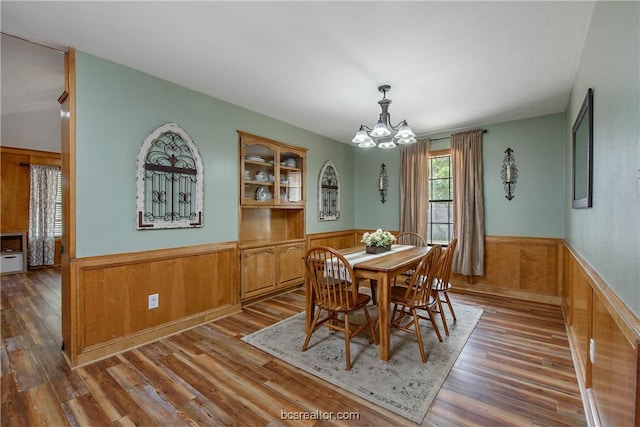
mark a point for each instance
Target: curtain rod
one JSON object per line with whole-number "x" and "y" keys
{"x": 448, "y": 137}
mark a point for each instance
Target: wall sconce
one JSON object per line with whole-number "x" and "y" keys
{"x": 383, "y": 183}
{"x": 509, "y": 174}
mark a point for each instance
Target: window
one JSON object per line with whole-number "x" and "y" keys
{"x": 170, "y": 180}
{"x": 58, "y": 219}
{"x": 440, "y": 227}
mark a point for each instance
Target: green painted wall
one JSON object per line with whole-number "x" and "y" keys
{"x": 538, "y": 207}
{"x": 537, "y": 210}
{"x": 117, "y": 107}
{"x": 607, "y": 235}
{"x": 371, "y": 213}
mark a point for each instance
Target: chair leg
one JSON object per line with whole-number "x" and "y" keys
{"x": 419, "y": 335}
{"x": 372, "y": 333}
{"x": 442, "y": 316}
{"x": 433, "y": 322}
{"x": 311, "y": 329}
{"x": 347, "y": 341}
{"x": 374, "y": 291}
{"x": 446, "y": 295}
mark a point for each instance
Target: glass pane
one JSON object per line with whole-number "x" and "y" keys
{"x": 440, "y": 212}
{"x": 440, "y": 167}
{"x": 440, "y": 189}
{"x": 295, "y": 186}
{"x": 440, "y": 234}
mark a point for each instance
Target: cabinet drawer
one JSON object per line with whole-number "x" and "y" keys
{"x": 12, "y": 262}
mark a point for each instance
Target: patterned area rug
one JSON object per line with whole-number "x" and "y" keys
{"x": 403, "y": 385}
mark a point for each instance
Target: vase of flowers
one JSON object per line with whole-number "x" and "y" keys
{"x": 378, "y": 241}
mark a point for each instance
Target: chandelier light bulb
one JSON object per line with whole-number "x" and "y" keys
{"x": 367, "y": 144}
{"x": 380, "y": 130}
{"x": 361, "y": 136}
{"x": 405, "y": 131}
{"x": 407, "y": 140}
{"x": 387, "y": 144}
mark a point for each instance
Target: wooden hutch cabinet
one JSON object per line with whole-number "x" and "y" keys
{"x": 272, "y": 216}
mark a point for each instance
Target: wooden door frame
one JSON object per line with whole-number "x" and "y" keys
{"x": 68, "y": 138}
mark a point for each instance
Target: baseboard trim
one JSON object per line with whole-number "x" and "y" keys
{"x": 586, "y": 396}
{"x": 459, "y": 286}
{"x": 105, "y": 350}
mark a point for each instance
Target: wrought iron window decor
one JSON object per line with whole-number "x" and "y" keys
{"x": 170, "y": 179}
{"x": 509, "y": 174}
{"x": 383, "y": 183}
{"x": 329, "y": 193}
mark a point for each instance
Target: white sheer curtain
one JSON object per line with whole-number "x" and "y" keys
{"x": 42, "y": 214}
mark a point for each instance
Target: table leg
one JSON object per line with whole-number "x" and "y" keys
{"x": 383, "y": 315}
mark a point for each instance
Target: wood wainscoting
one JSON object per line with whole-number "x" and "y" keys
{"x": 334, "y": 239}
{"x": 610, "y": 383}
{"x": 526, "y": 268}
{"x": 339, "y": 239}
{"x": 194, "y": 285}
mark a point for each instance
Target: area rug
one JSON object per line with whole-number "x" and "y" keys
{"x": 403, "y": 385}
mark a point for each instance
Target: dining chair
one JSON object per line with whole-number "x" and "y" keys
{"x": 331, "y": 278}
{"x": 404, "y": 238}
{"x": 441, "y": 284}
{"x": 417, "y": 300}
{"x": 413, "y": 239}
{"x": 410, "y": 238}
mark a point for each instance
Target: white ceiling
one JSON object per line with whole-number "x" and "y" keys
{"x": 32, "y": 77}
{"x": 317, "y": 65}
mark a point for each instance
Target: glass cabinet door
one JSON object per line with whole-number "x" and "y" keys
{"x": 291, "y": 189}
{"x": 258, "y": 174}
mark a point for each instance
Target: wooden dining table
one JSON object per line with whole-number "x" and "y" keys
{"x": 381, "y": 269}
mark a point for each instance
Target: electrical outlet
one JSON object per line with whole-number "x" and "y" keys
{"x": 153, "y": 301}
{"x": 592, "y": 351}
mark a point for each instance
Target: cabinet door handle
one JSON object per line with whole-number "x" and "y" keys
{"x": 10, "y": 257}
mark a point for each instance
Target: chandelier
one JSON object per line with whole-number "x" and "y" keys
{"x": 382, "y": 133}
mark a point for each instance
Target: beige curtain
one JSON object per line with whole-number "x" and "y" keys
{"x": 414, "y": 179}
{"x": 468, "y": 202}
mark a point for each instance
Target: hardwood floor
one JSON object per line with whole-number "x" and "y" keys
{"x": 515, "y": 370}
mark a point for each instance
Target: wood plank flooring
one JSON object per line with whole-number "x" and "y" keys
{"x": 515, "y": 370}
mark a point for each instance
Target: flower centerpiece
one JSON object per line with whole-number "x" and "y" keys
{"x": 378, "y": 241}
